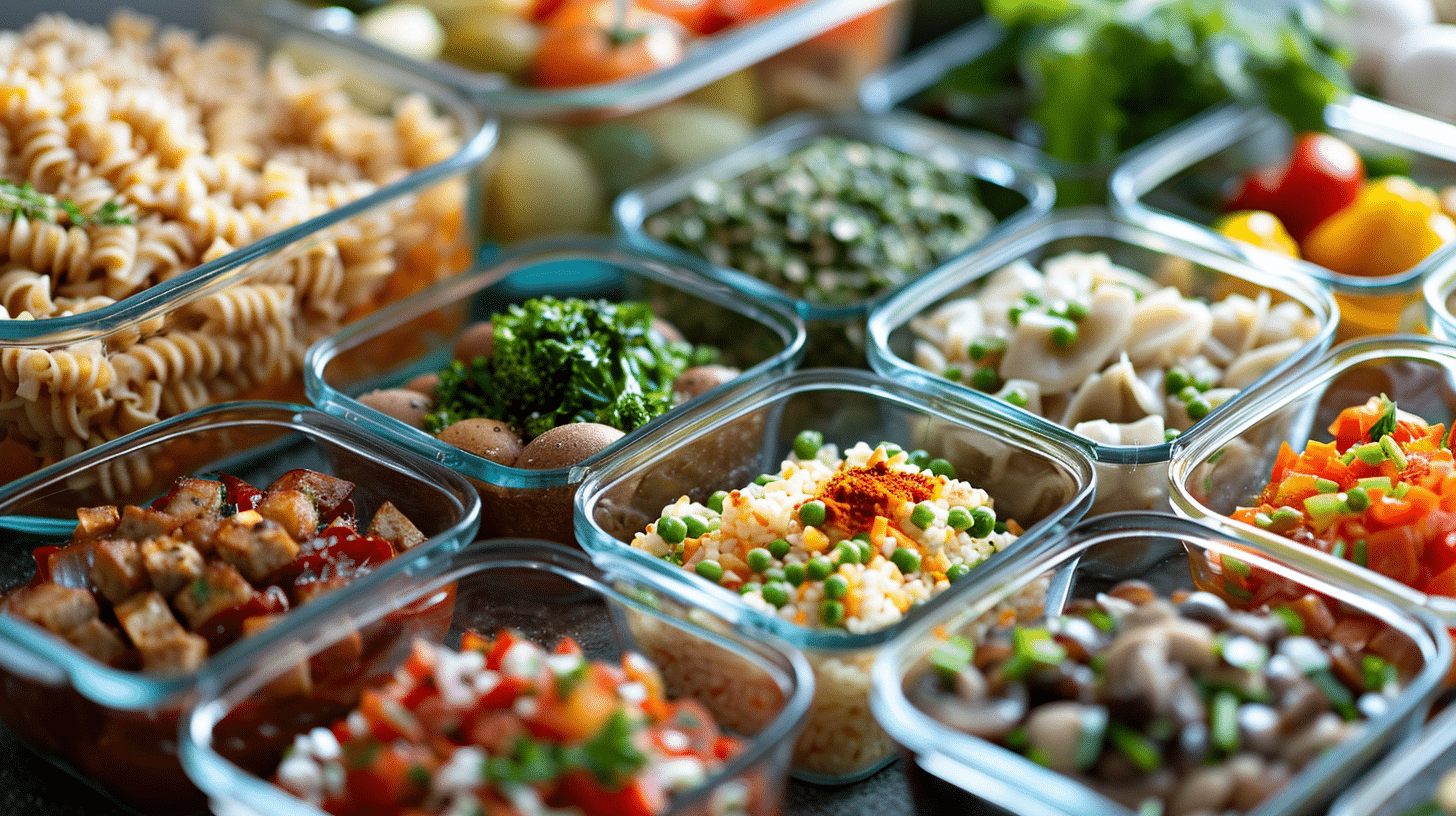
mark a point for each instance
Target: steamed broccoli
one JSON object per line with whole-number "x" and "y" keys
{"x": 559, "y": 361}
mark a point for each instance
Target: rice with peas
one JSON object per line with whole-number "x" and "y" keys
{"x": 849, "y": 543}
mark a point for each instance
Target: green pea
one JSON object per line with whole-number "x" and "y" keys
{"x": 845, "y": 553}
{"x": 715, "y": 501}
{"x": 672, "y": 529}
{"x": 959, "y": 518}
{"x": 807, "y": 444}
{"x": 764, "y": 478}
{"x": 776, "y": 593}
{"x": 923, "y": 515}
{"x": 1064, "y": 335}
{"x": 986, "y": 345}
{"x": 773, "y": 574}
{"x": 697, "y": 528}
{"x": 779, "y": 547}
{"x": 957, "y": 572}
{"x": 985, "y": 379}
{"x": 750, "y": 587}
{"x": 866, "y": 551}
{"x": 1176, "y": 379}
{"x": 985, "y": 519}
{"x": 831, "y": 613}
{"x": 794, "y": 573}
{"x": 942, "y": 467}
{"x": 820, "y": 567}
{"x": 919, "y": 458}
{"x": 759, "y": 559}
{"x": 1169, "y": 434}
{"x": 836, "y": 586}
{"x": 890, "y": 448}
{"x": 952, "y": 373}
{"x": 907, "y": 561}
{"x": 1076, "y": 310}
{"x": 860, "y": 536}
{"x": 710, "y": 569}
{"x": 1017, "y": 397}
{"x": 1198, "y": 408}
{"x": 812, "y": 512}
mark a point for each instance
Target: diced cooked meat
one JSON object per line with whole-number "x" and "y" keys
{"x": 394, "y": 526}
{"x": 98, "y": 640}
{"x": 191, "y": 498}
{"x": 255, "y": 545}
{"x": 165, "y": 647}
{"x": 294, "y": 510}
{"x": 52, "y": 606}
{"x": 117, "y": 569}
{"x": 171, "y": 564}
{"x": 96, "y": 522}
{"x": 219, "y": 587}
{"x": 294, "y": 681}
{"x": 327, "y": 492}
{"x": 201, "y": 532}
{"x": 142, "y": 523}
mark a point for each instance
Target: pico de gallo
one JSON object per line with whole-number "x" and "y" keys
{"x": 159, "y": 587}
{"x": 506, "y": 727}
{"x": 1382, "y": 494}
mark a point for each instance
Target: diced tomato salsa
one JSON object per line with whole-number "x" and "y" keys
{"x": 504, "y": 727}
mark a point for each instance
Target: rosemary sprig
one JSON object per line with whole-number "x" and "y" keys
{"x": 24, "y": 199}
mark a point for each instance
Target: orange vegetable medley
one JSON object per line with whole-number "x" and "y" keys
{"x": 504, "y": 727}
{"x": 1382, "y": 494}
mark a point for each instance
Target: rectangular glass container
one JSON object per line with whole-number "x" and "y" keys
{"x": 228, "y": 318}
{"x": 760, "y": 339}
{"x": 117, "y": 729}
{"x": 1015, "y": 193}
{"x": 1129, "y": 476}
{"x": 952, "y": 770}
{"x": 1177, "y": 184}
{"x": 1043, "y": 483}
{"x": 1437, "y": 290}
{"x": 757, "y": 687}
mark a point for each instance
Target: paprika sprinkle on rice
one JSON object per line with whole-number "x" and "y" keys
{"x": 853, "y": 497}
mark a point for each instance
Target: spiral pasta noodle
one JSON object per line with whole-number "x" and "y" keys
{"x": 203, "y": 145}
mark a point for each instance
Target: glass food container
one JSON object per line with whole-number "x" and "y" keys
{"x": 1180, "y": 180}
{"x": 727, "y": 441}
{"x": 567, "y": 151}
{"x": 759, "y": 339}
{"x": 1437, "y": 290}
{"x": 759, "y": 688}
{"x": 1131, "y": 453}
{"x": 1229, "y": 465}
{"x": 1013, "y": 192}
{"x": 238, "y": 257}
{"x": 954, "y": 770}
{"x": 1410, "y": 781}
{"x": 116, "y": 728}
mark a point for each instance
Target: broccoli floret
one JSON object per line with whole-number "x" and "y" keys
{"x": 465, "y": 390}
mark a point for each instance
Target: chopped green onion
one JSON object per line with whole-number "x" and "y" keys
{"x": 1357, "y": 499}
{"x": 1392, "y": 450}
{"x": 1223, "y": 721}
{"x": 951, "y": 655}
{"x": 1378, "y": 672}
{"x": 1138, "y": 749}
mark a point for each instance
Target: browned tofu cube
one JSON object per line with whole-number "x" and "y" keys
{"x": 327, "y": 492}
{"x": 171, "y": 564}
{"x": 255, "y": 545}
{"x": 145, "y": 617}
{"x": 96, "y": 522}
{"x": 201, "y": 533}
{"x": 179, "y": 652}
{"x": 142, "y": 523}
{"x": 57, "y": 608}
{"x": 391, "y": 524}
{"x": 292, "y": 682}
{"x": 310, "y": 590}
{"x": 294, "y": 511}
{"x": 219, "y": 587}
{"x": 98, "y": 640}
{"x": 117, "y": 569}
{"x": 191, "y": 498}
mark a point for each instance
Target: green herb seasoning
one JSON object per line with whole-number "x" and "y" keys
{"x": 834, "y": 222}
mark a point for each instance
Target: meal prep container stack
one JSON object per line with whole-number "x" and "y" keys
{"x": 1228, "y": 466}
{"x": 545, "y": 592}
{"x": 954, "y": 770}
{"x": 117, "y": 728}
{"x": 1179, "y": 181}
{"x": 193, "y": 304}
{"x": 727, "y": 441}
{"x": 1132, "y": 475}
{"x": 834, "y": 303}
{"x": 764, "y": 340}
{"x": 567, "y": 152}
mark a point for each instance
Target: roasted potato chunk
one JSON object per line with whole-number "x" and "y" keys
{"x": 171, "y": 564}
{"x": 219, "y": 587}
{"x": 394, "y": 526}
{"x": 255, "y": 545}
{"x": 118, "y": 570}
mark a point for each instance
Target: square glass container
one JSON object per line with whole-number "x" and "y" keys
{"x": 1438, "y": 289}
{"x": 1177, "y": 184}
{"x": 959, "y": 771}
{"x": 567, "y": 152}
{"x": 757, "y": 687}
{"x": 116, "y": 729}
{"x": 1227, "y": 466}
{"x": 230, "y": 318}
{"x": 1129, "y": 476}
{"x": 1408, "y": 782}
{"x": 1013, "y": 191}
{"x": 723, "y": 443}
{"x": 761, "y": 339}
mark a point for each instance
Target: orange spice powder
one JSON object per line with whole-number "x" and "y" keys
{"x": 854, "y": 496}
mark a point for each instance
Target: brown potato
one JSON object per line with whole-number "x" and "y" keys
{"x": 425, "y": 384}
{"x": 487, "y": 438}
{"x": 668, "y": 331}
{"x": 478, "y": 340}
{"x": 566, "y": 445}
{"x": 700, "y": 380}
{"x": 404, "y": 404}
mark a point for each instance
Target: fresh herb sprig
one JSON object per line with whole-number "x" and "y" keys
{"x": 25, "y": 200}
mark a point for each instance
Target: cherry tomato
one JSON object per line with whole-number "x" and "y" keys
{"x": 1323, "y": 175}
{"x": 585, "y": 44}
{"x": 239, "y": 493}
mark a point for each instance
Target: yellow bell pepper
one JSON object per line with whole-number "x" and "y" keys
{"x": 1261, "y": 228}
{"x": 1390, "y": 227}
